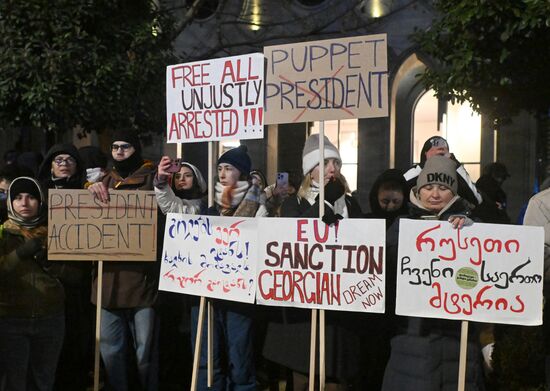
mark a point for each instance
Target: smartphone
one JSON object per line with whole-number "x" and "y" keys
{"x": 175, "y": 166}
{"x": 282, "y": 179}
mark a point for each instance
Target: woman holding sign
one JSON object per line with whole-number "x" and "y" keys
{"x": 32, "y": 318}
{"x": 288, "y": 339}
{"x": 236, "y": 194}
{"x": 425, "y": 353}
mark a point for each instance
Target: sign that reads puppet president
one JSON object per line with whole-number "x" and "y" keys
{"x": 327, "y": 80}
{"x": 215, "y": 99}
{"x": 306, "y": 263}
{"x": 210, "y": 256}
{"x": 484, "y": 272}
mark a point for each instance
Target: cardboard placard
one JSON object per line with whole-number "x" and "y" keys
{"x": 80, "y": 227}
{"x": 485, "y": 272}
{"x": 210, "y": 256}
{"x": 327, "y": 80}
{"x": 215, "y": 99}
{"x": 306, "y": 263}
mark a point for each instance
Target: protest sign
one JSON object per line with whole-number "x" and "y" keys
{"x": 306, "y": 263}
{"x": 215, "y": 99}
{"x": 80, "y": 227}
{"x": 210, "y": 256}
{"x": 485, "y": 272}
{"x": 327, "y": 80}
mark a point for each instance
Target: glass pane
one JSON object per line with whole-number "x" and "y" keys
{"x": 474, "y": 171}
{"x": 425, "y": 123}
{"x": 464, "y": 132}
{"x": 350, "y": 172}
{"x": 461, "y": 126}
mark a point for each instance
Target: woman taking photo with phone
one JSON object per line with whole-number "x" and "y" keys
{"x": 179, "y": 187}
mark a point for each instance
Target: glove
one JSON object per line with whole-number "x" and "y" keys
{"x": 29, "y": 248}
{"x": 334, "y": 189}
{"x": 330, "y": 218}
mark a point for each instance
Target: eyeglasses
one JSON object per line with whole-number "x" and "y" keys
{"x": 67, "y": 161}
{"x": 124, "y": 147}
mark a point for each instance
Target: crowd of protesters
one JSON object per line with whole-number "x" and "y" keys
{"x": 47, "y": 308}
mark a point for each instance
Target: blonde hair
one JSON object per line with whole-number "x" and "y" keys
{"x": 305, "y": 186}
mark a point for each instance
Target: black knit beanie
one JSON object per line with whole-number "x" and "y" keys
{"x": 128, "y": 136}
{"x": 238, "y": 158}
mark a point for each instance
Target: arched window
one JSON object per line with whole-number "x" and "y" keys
{"x": 459, "y": 124}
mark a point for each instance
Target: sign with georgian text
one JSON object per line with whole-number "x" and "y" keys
{"x": 210, "y": 256}
{"x": 484, "y": 272}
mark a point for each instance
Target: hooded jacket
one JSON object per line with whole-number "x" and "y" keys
{"x": 29, "y": 287}
{"x": 45, "y": 177}
{"x": 393, "y": 176}
{"x": 169, "y": 202}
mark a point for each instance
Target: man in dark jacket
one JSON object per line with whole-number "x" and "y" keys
{"x": 129, "y": 288}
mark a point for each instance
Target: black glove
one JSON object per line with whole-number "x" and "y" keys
{"x": 29, "y": 248}
{"x": 334, "y": 189}
{"x": 330, "y": 218}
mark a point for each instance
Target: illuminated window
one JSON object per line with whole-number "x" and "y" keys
{"x": 343, "y": 134}
{"x": 460, "y": 126}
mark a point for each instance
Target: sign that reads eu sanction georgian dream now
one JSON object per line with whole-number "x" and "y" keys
{"x": 485, "y": 272}
{"x": 215, "y": 99}
{"x": 306, "y": 263}
{"x": 327, "y": 80}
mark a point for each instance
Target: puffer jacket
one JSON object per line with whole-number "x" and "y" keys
{"x": 425, "y": 352}
{"x": 28, "y": 287}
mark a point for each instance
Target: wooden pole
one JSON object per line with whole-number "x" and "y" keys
{"x": 322, "y": 345}
{"x": 312, "y": 355}
{"x": 210, "y": 325}
{"x": 98, "y": 323}
{"x": 198, "y": 341}
{"x": 463, "y": 356}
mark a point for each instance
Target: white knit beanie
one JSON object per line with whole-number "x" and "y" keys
{"x": 310, "y": 154}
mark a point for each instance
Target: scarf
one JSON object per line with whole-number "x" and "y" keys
{"x": 40, "y": 231}
{"x": 228, "y": 198}
{"x": 129, "y": 165}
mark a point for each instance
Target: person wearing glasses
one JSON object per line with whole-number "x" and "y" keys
{"x": 129, "y": 288}
{"x": 62, "y": 168}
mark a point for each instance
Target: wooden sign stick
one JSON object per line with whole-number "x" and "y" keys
{"x": 198, "y": 341}
{"x": 210, "y": 330}
{"x": 321, "y": 213}
{"x": 98, "y": 323}
{"x": 463, "y": 356}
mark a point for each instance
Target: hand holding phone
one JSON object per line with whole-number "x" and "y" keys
{"x": 175, "y": 166}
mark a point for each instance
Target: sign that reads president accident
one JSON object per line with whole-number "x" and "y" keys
{"x": 215, "y": 99}
{"x": 210, "y": 256}
{"x": 306, "y": 263}
{"x": 327, "y": 80}
{"x": 80, "y": 227}
{"x": 485, "y": 272}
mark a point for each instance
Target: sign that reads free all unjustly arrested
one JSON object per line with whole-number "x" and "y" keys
{"x": 215, "y": 99}
{"x": 306, "y": 263}
{"x": 80, "y": 227}
{"x": 210, "y": 256}
{"x": 327, "y": 80}
{"x": 485, "y": 272}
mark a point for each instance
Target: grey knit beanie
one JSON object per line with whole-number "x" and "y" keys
{"x": 310, "y": 154}
{"x": 438, "y": 170}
